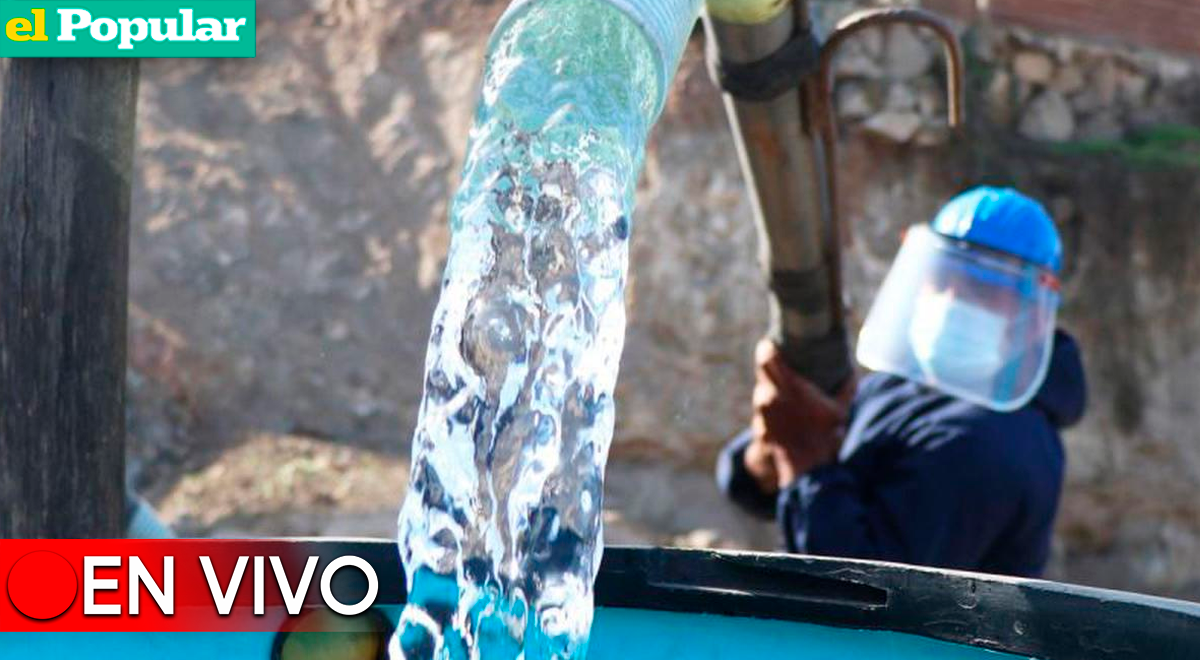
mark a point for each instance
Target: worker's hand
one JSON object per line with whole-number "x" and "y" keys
{"x": 794, "y": 422}
{"x": 760, "y": 462}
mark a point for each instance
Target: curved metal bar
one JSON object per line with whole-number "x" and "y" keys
{"x": 859, "y": 21}
{"x": 826, "y": 111}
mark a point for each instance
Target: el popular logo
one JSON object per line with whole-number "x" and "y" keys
{"x": 127, "y": 28}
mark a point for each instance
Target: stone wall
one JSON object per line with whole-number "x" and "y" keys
{"x": 1042, "y": 87}
{"x": 290, "y": 232}
{"x": 1166, "y": 24}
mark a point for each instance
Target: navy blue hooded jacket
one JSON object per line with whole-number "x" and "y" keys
{"x": 925, "y": 478}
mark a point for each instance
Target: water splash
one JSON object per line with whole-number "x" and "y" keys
{"x": 501, "y": 533}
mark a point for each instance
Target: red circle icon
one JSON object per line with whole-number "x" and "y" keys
{"x": 42, "y": 585}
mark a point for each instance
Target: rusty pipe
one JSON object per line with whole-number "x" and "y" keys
{"x": 854, "y": 24}
{"x": 784, "y": 167}
{"x": 873, "y": 18}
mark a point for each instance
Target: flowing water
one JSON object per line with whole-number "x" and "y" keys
{"x": 501, "y": 531}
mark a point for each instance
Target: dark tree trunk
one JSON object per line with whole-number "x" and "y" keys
{"x": 66, "y": 158}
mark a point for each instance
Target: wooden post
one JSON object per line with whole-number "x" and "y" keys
{"x": 66, "y": 159}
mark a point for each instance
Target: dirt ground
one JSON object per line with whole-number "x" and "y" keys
{"x": 291, "y": 486}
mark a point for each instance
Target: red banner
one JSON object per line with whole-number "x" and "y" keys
{"x": 174, "y": 586}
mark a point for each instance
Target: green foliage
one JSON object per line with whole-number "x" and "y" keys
{"x": 1153, "y": 147}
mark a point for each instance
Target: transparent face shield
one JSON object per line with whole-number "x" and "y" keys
{"x": 972, "y": 323}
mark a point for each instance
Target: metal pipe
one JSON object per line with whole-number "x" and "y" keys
{"x": 788, "y": 149}
{"x": 874, "y": 18}
{"x": 783, "y": 159}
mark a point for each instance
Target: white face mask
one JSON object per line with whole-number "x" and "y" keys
{"x": 955, "y": 342}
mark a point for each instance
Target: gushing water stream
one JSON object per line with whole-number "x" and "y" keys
{"x": 501, "y": 532}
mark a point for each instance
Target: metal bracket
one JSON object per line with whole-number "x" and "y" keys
{"x": 766, "y": 79}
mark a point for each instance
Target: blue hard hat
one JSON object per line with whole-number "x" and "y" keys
{"x": 1005, "y": 220}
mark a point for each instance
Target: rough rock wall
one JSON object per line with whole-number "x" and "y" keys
{"x": 1168, "y": 24}
{"x": 290, "y": 225}
{"x": 290, "y": 231}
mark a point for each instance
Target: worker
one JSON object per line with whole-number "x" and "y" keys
{"x": 948, "y": 454}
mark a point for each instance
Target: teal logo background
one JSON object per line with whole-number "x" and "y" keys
{"x": 149, "y": 28}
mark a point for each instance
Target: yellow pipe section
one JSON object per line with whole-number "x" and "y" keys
{"x": 747, "y": 12}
